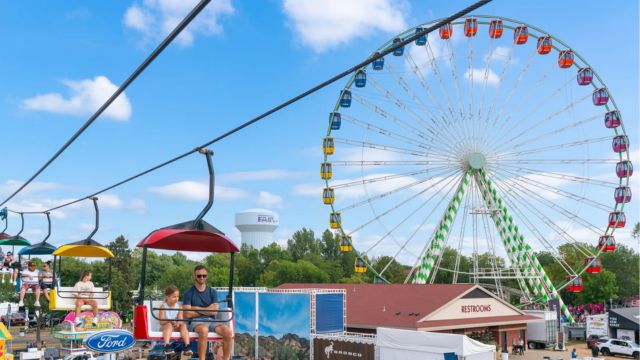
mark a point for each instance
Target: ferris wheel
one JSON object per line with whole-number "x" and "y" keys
{"x": 469, "y": 151}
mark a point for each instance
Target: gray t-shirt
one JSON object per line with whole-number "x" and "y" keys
{"x": 194, "y": 297}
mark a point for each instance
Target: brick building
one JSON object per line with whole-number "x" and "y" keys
{"x": 455, "y": 308}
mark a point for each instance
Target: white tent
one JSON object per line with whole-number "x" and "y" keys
{"x": 394, "y": 344}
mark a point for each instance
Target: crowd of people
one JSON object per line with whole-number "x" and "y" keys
{"x": 580, "y": 312}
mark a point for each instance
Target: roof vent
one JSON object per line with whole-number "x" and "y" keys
{"x": 384, "y": 308}
{"x": 398, "y": 313}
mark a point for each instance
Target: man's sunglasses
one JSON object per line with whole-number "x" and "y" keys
{"x": 201, "y": 276}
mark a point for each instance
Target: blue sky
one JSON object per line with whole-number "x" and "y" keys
{"x": 237, "y": 60}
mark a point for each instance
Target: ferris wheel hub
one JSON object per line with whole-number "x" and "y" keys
{"x": 476, "y": 160}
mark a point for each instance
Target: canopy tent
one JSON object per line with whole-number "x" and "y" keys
{"x": 395, "y": 344}
{"x": 41, "y": 248}
{"x": 84, "y": 248}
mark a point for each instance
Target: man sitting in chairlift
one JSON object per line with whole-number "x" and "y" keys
{"x": 200, "y": 304}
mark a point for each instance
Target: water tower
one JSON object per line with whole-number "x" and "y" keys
{"x": 257, "y": 226}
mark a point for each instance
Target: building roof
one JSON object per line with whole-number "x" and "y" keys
{"x": 631, "y": 313}
{"x": 405, "y": 306}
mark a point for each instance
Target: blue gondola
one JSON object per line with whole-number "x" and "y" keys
{"x": 345, "y": 98}
{"x": 378, "y": 64}
{"x": 336, "y": 120}
{"x": 361, "y": 78}
{"x": 422, "y": 40}
{"x": 399, "y": 51}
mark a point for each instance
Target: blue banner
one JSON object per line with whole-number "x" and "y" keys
{"x": 110, "y": 341}
{"x": 329, "y": 313}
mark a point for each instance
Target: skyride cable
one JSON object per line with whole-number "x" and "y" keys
{"x": 277, "y": 108}
{"x": 158, "y": 50}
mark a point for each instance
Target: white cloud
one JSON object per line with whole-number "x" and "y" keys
{"x": 85, "y": 97}
{"x": 261, "y": 175}
{"x": 477, "y": 75}
{"x": 109, "y": 201}
{"x": 138, "y": 206}
{"x": 193, "y": 190}
{"x": 500, "y": 53}
{"x": 325, "y": 24}
{"x": 86, "y": 227}
{"x": 269, "y": 200}
{"x": 157, "y": 18}
{"x": 10, "y": 186}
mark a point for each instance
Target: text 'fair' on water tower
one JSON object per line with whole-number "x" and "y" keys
{"x": 257, "y": 226}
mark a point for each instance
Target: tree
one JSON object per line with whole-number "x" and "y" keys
{"x": 395, "y": 273}
{"x": 284, "y": 271}
{"x": 122, "y": 270}
{"x": 273, "y": 252}
{"x": 599, "y": 288}
{"x": 330, "y": 245}
{"x": 301, "y": 243}
{"x": 635, "y": 233}
{"x": 624, "y": 263}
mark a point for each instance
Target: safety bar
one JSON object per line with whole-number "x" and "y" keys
{"x": 59, "y": 292}
{"x": 227, "y": 310}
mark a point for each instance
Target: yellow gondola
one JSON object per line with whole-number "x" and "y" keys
{"x": 328, "y": 146}
{"x": 335, "y": 220}
{"x": 325, "y": 171}
{"x": 328, "y": 195}
{"x": 62, "y": 298}
{"x": 360, "y": 266}
{"x": 345, "y": 243}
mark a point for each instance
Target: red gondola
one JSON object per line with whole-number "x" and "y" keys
{"x": 470, "y": 27}
{"x": 612, "y": 119}
{"x": 622, "y": 194}
{"x": 196, "y": 235}
{"x": 565, "y": 58}
{"x": 607, "y": 243}
{"x": 446, "y": 31}
{"x": 521, "y": 35}
{"x": 545, "y": 44}
{"x": 593, "y": 264}
{"x": 617, "y": 219}
{"x": 600, "y": 97}
{"x": 620, "y": 143}
{"x": 624, "y": 169}
{"x": 574, "y": 284}
{"x": 585, "y": 76}
{"x": 496, "y": 29}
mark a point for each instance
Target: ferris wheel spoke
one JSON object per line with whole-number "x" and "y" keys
{"x": 403, "y": 107}
{"x": 436, "y": 135}
{"x": 398, "y": 189}
{"x": 552, "y": 189}
{"x": 383, "y": 131}
{"x": 574, "y": 178}
{"x": 443, "y": 88}
{"x": 513, "y": 196}
{"x": 337, "y": 184}
{"x": 362, "y": 163}
{"x": 556, "y": 161}
{"x": 553, "y": 251}
{"x": 537, "y": 124}
{"x": 485, "y": 78}
{"x": 456, "y": 81}
{"x": 551, "y": 133}
{"x": 517, "y": 109}
{"x": 422, "y": 205}
{"x": 377, "y": 217}
{"x": 423, "y": 82}
{"x": 503, "y": 74}
{"x": 394, "y": 149}
{"x": 553, "y": 147}
{"x": 514, "y": 88}
{"x": 559, "y": 209}
{"x": 492, "y": 251}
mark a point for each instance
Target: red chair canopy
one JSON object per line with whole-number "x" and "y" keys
{"x": 190, "y": 236}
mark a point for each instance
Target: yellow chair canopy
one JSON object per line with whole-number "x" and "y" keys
{"x": 84, "y": 248}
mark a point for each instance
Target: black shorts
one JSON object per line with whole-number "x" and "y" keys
{"x": 46, "y": 286}
{"x": 16, "y": 265}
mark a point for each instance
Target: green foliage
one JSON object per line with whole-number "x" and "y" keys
{"x": 599, "y": 288}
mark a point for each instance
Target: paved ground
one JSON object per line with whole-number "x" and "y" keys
{"x": 581, "y": 348}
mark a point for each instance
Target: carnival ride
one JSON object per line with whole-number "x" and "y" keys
{"x": 434, "y": 155}
{"x": 196, "y": 235}
{"x": 72, "y": 331}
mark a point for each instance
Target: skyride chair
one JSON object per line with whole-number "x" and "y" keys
{"x": 62, "y": 298}
{"x": 13, "y": 241}
{"x": 41, "y": 248}
{"x": 196, "y": 235}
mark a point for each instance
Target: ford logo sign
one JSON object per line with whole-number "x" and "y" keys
{"x": 110, "y": 341}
